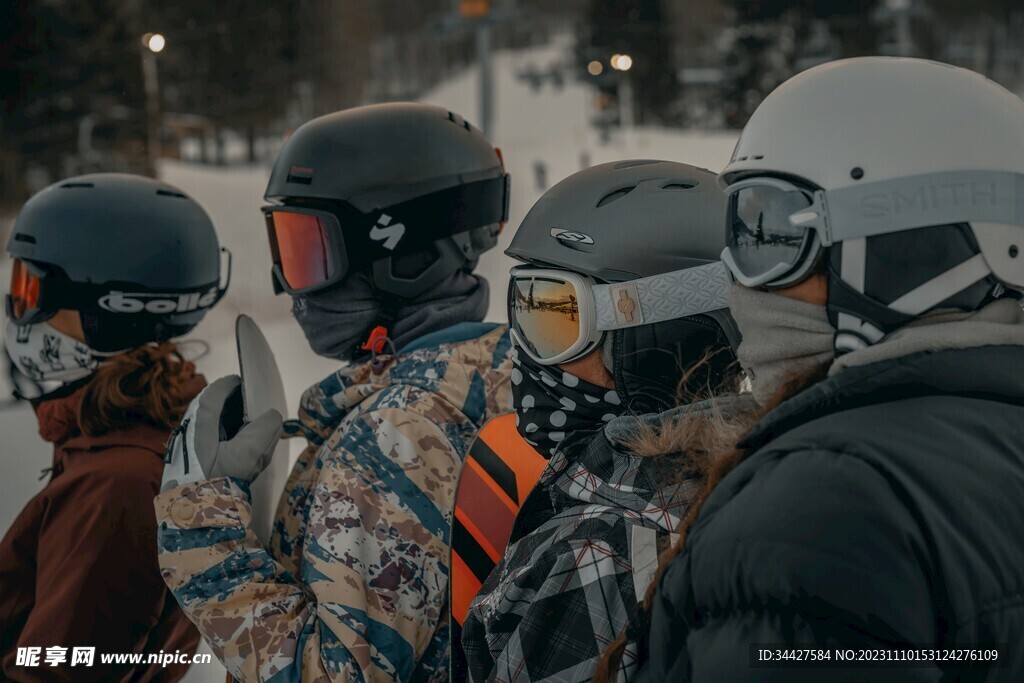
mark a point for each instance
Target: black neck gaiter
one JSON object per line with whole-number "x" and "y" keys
{"x": 551, "y": 403}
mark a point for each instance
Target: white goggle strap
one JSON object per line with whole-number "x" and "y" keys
{"x": 666, "y": 296}
{"x": 883, "y": 207}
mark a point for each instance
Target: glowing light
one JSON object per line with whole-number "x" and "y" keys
{"x": 154, "y": 42}
{"x": 595, "y": 68}
{"x": 621, "y": 62}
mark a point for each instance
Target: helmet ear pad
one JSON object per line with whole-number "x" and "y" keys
{"x": 899, "y": 262}
{"x": 661, "y": 365}
{"x": 407, "y": 276}
{"x": 107, "y": 332}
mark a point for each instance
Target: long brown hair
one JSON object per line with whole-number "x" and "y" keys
{"x": 150, "y": 385}
{"x": 717, "y": 465}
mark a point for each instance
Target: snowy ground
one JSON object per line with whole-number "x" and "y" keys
{"x": 537, "y": 129}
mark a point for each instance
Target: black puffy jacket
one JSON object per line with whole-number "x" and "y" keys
{"x": 882, "y": 506}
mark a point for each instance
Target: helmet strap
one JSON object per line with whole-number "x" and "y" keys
{"x": 861, "y": 321}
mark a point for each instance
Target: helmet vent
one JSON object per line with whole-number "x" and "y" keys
{"x": 21, "y": 237}
{"x": 612, "y": 196}
{"x": 171, "y": 193}
{"x": 680, "y": 185}
{"x": 72, "y": 185}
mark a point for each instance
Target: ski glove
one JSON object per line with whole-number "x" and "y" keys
{"x": 213, "y": 439}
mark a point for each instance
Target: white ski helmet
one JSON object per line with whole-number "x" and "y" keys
{"x": 907, "y": 175}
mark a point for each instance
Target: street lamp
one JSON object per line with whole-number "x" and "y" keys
{"x": 152, "y": 43}
{"x": 623, "y": 63}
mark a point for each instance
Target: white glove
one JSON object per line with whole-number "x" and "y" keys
{"x": 213, "y": 439}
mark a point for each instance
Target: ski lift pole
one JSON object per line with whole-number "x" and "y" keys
{"x": 478, "y": 12}
{"x": 483, "y": 57}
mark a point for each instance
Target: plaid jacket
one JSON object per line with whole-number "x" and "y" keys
{"x": 354, "y": 583}
{"x": 583, "y": 552}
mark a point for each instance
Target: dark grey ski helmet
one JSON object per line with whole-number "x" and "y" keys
{"x": 633, "y": 219}
{"x": 136, "y": 257}
{"x": 416, "y": 165}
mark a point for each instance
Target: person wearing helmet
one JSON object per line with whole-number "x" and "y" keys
{"x": 619, "y": 310}
{"x": 107, "y": 270}
{"x": 875, "y": 504}
{"x": 378, "y": 216}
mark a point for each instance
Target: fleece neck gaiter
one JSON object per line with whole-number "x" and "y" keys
{"x": 337, "y": 321}
{"x": 782, "y": 338}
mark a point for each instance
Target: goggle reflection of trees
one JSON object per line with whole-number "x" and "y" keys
{"x": 565, "y": 304}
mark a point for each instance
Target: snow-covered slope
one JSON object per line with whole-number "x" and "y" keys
{"x": 546, "y": 128}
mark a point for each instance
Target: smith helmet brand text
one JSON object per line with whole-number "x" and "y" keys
{"x": 929, "y": 198}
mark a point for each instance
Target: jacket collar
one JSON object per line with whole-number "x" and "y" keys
{"x": 326, "y": 404}
{"x": 980, "y": 372}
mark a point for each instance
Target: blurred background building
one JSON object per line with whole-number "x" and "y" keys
{"x": 115, "y": 84}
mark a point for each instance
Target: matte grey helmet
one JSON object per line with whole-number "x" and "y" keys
{"x": 410, "y": 191}
{"x": 630, "y": 220}
{"x": 136, "y": 257}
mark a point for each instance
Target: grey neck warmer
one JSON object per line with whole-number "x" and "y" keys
{"x": 782, "y": 338}
{"x": 337, "y": 321}
{"x": 999, "y": 323}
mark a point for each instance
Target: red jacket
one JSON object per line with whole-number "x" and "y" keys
{"x": 79, "y": 565}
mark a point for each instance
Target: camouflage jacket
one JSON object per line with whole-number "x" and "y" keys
{"x": 354, "y": 585}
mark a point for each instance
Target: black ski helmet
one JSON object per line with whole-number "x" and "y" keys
{"x": 632, "y": 219}
{"x": 136, "y": 257}
{"x": 418, "y": 165}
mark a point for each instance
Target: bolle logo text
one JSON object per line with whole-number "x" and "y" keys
{"x": 160, "y": 304}
{"x": 571, "y": 236}
{"x": 928, "y": 198}
{"x": 387, "y": 233}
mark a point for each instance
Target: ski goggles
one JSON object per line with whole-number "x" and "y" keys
{"x": 764, "y": 244}
{"x": 557, "y": 316}
{"x": 315, "y": 247}
{"x": 38, "y": 291}
{"x": 776, "y": 230}
{"x": 24, "y": 298}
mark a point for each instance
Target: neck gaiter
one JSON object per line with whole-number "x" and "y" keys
{"x": 782, "y": 338}
{"x": 551, "y": 403}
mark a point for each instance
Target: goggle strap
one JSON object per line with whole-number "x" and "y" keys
{"x": 427, "y": 219}
{"x": 666, "y": 296}
{"x": 899, "y": 204}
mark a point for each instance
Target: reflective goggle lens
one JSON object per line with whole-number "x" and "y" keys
{"x": 301, "y": 247}
{"x": 545, "y": 313}
{"x": 24, "y": 292}
{"x": 759, "y": 234}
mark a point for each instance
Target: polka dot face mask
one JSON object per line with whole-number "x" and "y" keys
{"x": 551, "y": 403}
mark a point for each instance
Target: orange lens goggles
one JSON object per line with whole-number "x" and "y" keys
{"x": 24, "y": 294}
{"x": 300, "y": 246}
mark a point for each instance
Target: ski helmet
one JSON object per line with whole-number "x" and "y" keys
{"x": 137, "y": 258}
{"x": 649, "y": 233}
{"x": 901, "y": 178}
{"x": 411, "y": 192}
